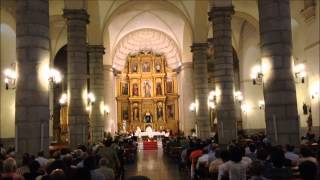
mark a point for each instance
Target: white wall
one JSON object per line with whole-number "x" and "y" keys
{"x": 306, "y": 46}
{"x": 311, "y": 52}
{"x": 246, "y": 43}
{"x": 8, "y": 57}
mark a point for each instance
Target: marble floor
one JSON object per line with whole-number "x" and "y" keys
{"x": 153, "y": 164}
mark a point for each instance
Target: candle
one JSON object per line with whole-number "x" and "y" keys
{"x": 41, "y": 136}
{"x": 275, "y": 128}
{"x": 222, "y": 132}
{"x": 16, "y": 140}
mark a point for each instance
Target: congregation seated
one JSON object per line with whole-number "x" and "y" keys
{"x": 103, "y": 161}
{"x": 253, "y": 158}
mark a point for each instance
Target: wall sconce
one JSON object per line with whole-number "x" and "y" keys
{"x": 245, "y": 107}
{"x": 192, "y": 107}
{"x": 212, "y": 99}
{"x": 88, "y": 108}
{"x": 261, "y": 104}
{"x": 212, "y": 96}
{"x": 212, "y": 105}
{"x": 10, "y": 77}
{"x": 55, "y": 77}
{"x": 106, "y": 109}
{"x": 63, "y": 99}
{"x": 256, "y": 75}
{"x": 238, "y": 96}
{"x": 314, "y": 95}
{"x": 300, "y": 73}
{"x": 91, "y": 98}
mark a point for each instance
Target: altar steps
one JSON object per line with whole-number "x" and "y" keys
{"x": 150, "y": 145}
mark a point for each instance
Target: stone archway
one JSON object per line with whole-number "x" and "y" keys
{"x": 59, "y": 115}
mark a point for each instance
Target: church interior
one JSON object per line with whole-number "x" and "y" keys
{"x": 77, "y": 72}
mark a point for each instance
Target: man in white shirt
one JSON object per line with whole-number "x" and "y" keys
{"x": 289, "y": 154}
{"x": 236, "y": 167}
{"x": 41, "y": 159}
{"x": 203, "y": 159}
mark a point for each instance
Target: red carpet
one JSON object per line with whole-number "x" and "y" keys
{"x": 150, "y": 145}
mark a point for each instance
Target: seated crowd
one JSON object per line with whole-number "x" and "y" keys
{"x": 252, "y": 158}
{"x": 103, "y": 161}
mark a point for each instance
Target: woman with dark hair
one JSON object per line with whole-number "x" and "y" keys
{"x": 235, "y": 169}
{"x": 306, "y": 155}
{"x": 278, "y": 168}
{"x": 89, "y": 165}
{"x": 24, "y": 168}
{"x": 34, "y": 167}
{"x": 308, "y": 170}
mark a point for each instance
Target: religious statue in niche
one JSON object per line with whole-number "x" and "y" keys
{"x": 147, "y": 88}
{"x": 170, "y": 111}
{"x": 146, "y": 67}
{"x": 159, "y": 111}
{"x": 136, "y": 114}
{"x": 124, "y": 89}
{"x": 158, "y": 67}
{"x": 135, "y": 89}
{"x": 158, "y": 89}
{"x": 169, "y": 86}
{"x": 125, "y": 114}
{"x": 148, "y": 118}
{"x": 134, "y": 67}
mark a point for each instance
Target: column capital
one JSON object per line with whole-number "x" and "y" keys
{"x": 186, "y": 65}
{"x": 76, "y": 14}
{"x": 199, "y": 47}
{"x": 220, "y": 11}
{"x": 96, "y": 49}
{"x": 108, "y": 67}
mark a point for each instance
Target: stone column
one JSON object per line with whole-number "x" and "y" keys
{"x": 211, "y": 85}
{"x": 32, "y": 97}
{"x": 97, "y": 88}
{"x": 110, "y": 123}
{"x": 279, "y": 85}
{"x": 77, "y": 20}
{"x": 224, "y": 73}
{"x": 200, "y": 82}
{"x": 187, "y": 97}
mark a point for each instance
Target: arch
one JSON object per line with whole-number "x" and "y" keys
{"x": 60, "y": 62}
{"x": 58, "y": 34}
{"x": 151, "y": 5}
{"x": 146, "y": 39}
{"x": 252, "y": 20}
{"x": 161, "y": 16}
{"x": 8, "y": 18}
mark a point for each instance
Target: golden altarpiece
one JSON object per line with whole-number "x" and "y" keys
{"x": 147, "y": 94}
